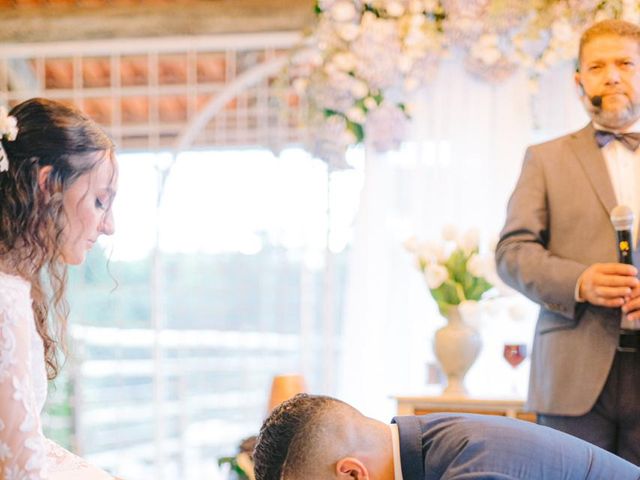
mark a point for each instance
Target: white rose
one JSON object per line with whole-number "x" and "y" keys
{"x": 415, "y": 6}
{"x": 356, "y": 115}
{"x": 370, "y": 103}
{"x": 359, "y": 89}
{"x": 348, "y": 31}
{"x": 395, "y": 9}
{"x": 435, "y": 275}
{"x": 450, "y": 233}
{"x": 343, "y": 11}
{"x": 344, "y": 61}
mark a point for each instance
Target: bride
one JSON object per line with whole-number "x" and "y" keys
{"x": 57, "y": 183}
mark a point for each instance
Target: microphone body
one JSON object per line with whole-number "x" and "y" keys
{"x": 622, "y": 220}
{"x": 596, "y": 101}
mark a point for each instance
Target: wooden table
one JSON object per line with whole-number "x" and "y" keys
{"x": 420, "y": 405}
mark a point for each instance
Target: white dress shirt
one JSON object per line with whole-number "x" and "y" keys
{"x": 623, "y": 166}
{"x": 395, "y": 442}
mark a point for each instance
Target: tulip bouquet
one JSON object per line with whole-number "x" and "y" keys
{"x": 454, "y": 268}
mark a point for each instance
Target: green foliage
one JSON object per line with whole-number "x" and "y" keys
{"x": 234, "y": 467}
{"x": 461, "y": 285}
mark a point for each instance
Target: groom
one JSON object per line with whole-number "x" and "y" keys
{"x": 321, "y": 438}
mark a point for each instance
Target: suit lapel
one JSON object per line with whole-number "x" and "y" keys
{"x": 584, "y": 146}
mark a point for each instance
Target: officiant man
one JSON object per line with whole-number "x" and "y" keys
{"x": 559, "y": 248}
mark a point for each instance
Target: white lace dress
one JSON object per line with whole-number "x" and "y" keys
{"x": 25, "y": 454}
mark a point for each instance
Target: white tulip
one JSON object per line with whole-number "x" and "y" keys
{"x": 476, "y": 265}
{"x": 470, "y": 240}
{"x": 450, "y": 233}
{"x": 429, "y": 250}
{"x": 435, "y": 275}
{"x": 411, "y": 244}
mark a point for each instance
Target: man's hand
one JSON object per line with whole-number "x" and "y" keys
{"x": 632, "y": 306}
{"x": 610, "y": 285}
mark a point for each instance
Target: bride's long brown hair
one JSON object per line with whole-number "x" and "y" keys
{"x": 32, "y": 218}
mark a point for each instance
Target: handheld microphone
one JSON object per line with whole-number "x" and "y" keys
{"x": 622, "y": 220}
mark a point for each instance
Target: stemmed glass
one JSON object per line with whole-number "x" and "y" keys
{"x": 514, "y": 354}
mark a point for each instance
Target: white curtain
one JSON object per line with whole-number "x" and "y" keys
{"x": 459, "y": 167}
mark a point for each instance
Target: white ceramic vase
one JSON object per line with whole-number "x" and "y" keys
{"x": 456, "y": 345}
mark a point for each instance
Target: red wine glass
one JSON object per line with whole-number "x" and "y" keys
{"x": 514, "y": 354}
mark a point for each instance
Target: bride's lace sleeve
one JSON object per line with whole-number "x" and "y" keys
{"x": 22, "y": 446}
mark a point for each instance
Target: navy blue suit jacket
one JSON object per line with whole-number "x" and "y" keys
{"x": 453, "y": 446}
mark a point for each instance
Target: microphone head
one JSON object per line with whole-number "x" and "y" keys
{"x": 622, "y": 217}
{"x": 596, "y": 101}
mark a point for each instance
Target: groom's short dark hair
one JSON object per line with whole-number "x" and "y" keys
{"x": 288, "y": 435}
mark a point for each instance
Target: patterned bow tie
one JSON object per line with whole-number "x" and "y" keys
{"x": 629, "y": 140}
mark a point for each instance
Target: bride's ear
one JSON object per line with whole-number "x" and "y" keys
{"x": 43, "y": 176}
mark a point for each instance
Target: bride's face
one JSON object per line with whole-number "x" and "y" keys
{"x": 87, "y": 206}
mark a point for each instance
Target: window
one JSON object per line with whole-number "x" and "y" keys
{"x": 174, "y": 348}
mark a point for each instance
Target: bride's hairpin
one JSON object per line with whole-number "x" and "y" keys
{"x": 9, "y": 132}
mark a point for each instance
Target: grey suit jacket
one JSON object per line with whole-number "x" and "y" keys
{"x": 473, "y": 447}
{"x": 557, "y": 225}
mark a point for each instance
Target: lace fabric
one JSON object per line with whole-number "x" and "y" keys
{"x": 25, "y": 454}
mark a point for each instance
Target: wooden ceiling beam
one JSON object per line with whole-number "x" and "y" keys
{"x": 63, "y": 22}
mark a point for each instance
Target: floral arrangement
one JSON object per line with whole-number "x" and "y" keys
{"x": 359, "y": 64}
{"x": 454, "y": 268}
{"x": 8, "y": 131}
{"x": 242, "y": 463}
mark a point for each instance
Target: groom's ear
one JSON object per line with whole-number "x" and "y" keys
{"x": 350, "y": 468}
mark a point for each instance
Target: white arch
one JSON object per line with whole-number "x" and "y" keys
{"x": 242, "y": 82}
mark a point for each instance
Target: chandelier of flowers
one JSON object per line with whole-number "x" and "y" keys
{"x": 363, "y": 59}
